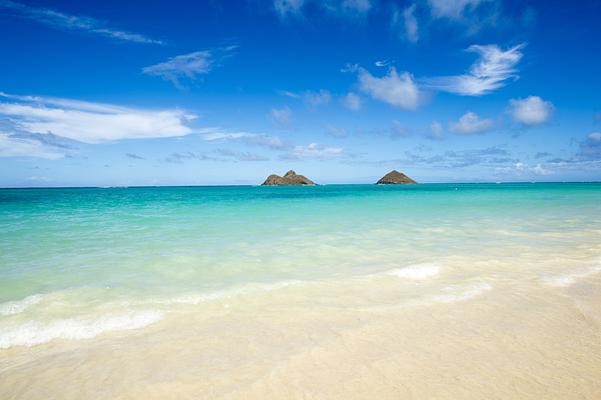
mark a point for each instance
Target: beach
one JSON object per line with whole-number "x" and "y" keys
{"x": 429, "y": 291}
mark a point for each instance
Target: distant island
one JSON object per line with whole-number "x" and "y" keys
{"x": 395, "y": 177}
{"x": 289, "y": 179}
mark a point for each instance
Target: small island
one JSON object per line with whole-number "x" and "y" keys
{"x": 395, "y": 177}
{"x": 289, "y": 179}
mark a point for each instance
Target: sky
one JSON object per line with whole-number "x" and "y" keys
{"x": 117, "y": 93}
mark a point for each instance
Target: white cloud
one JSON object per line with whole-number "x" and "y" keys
{"x": 352, "y": 101}
{"x": 11, "y": 146}
{"x": 492, "y": 71}
{"x": 336, "y": 132}
{"x": 452, "y": 9}
{"x": 92, "y": 122}
{"x": 338, "y": 7}
{"x": 315, "y": 151}
{"x": 524, "y": 169}
{"x": 470, "y": 124}
{"x": 531, "y": 111}
{"x": 397, "y": 90}
{"x": 286, "y": 7}
{"x": 316, "y": 99}
{"x": 436, "y": 130}
{"x": 255, "y": 139}
{"x": 188, "y": 66}
{"x": 59, "y": 20}
{"x": 281, "y": 117}
{"x": 410, "y": 23}
{"x": 382, "y": 63}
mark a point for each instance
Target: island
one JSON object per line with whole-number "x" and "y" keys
{"x": 395, "y": 177}
{"x": 289, "y": 179}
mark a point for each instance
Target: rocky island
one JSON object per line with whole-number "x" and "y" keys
{"x": 395, "y": 177}
{"x": 289, "y": 179}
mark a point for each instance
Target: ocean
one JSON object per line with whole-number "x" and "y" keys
{"x": 335, "y": 291}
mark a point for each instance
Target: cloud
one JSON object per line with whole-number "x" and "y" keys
{"x": 188, "y": 66}
{"x": 59, "y": 20}
{"x": 134, "y": 156}
{"x": 409, "y": 23}
{"x": 253, "y": 139}
{"x": 452, "y": 9}
{"x": 436, "y": 130}
{"x": 492, "y": 71}
{"x": 590, "y": 149}
{"x": 352, "y": 101}
{"x": 313, "y": 151}
{"x": 316, "y": 99}
{"x": 281, "y": 117}
{"x": 286, "y": 8}
{"x": 336, "y": 132}
{"x": 524, "y": 169}
{"x": 489, "y": 156}
{"x": 397, "y": 90}
{"x": 180, "y": 158}
{"x": 241, "y": 156}
{"x": 470, "y": 124}
{"x": 531, "y": 111}
{"x": 353, "y": 7}
{"x": 382, "y": 63}
{"x": 13, "y": 146}
{"x": 397, "y": 130}
{"x": 89, "y": 122}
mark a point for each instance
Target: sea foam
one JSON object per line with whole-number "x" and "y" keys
{"x": 569, "y": 279}
{"x": 33, "y": 333}
{"x": 455, "y": 293}
{"x": 18, "y": 306}
{"x": 417, "y": 271}
{"x": 197, "y": 298}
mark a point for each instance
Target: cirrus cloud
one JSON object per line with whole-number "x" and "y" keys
{"x": 90, "y": 122}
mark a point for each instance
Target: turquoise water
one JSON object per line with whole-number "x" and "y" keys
{"x": 75, "y": 254}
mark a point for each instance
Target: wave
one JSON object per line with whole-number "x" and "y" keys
{"x": 35, "y": 333}
{"x": 18, "y": 306}
{"x": 197, "y": 298}
{"x": 455, "y": 293}
{"x": 417, "y": 271}
{"x": 569, "y": 279}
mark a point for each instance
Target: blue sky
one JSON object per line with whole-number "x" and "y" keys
{"x": 228, "y": 92}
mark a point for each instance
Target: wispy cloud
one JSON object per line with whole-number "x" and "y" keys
{"x": 336, "y": 132}
{"x": 281, "y": 117}
{"x": 531, "y": 111}
{"x": 134, "y": 156}
{"x": 452, "y": 9}
{"x": 14, "y": 146}
{"x": 254, "y": 139}
{"x": 287, "y": 8}
{"x": 313, "y": 151}
{"x": 399, "y": 90}
{"x": 59, "y": 20}
{"x": 470, "y": 123}
{"x": 492, "y": 71}
{"x": 316, "y": 99}
{"x": 406, "y": 21}
{"x": 436, "y": 130}
{"x": 590, "y": 149}
{"x": 352, "y": 101}
{"x": 241, "y": 155}
{"x": 188, "y": 67}
{"x": 90, "y": 122}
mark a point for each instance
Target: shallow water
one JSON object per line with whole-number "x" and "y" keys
{"x": 342, "y": 291}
